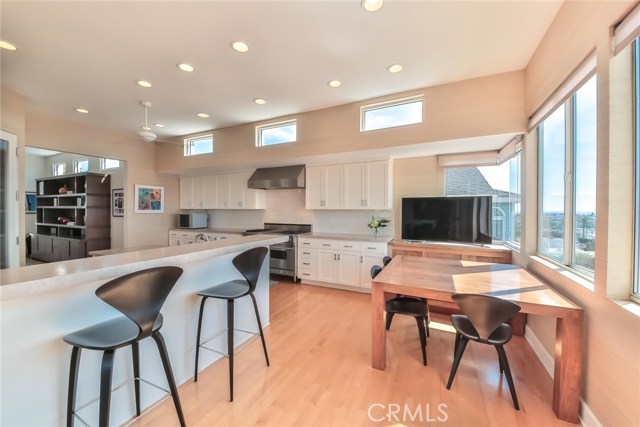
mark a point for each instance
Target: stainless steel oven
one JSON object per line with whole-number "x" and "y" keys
{"x": 282, "y": 258}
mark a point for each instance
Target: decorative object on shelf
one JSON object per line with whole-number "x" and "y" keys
{"x": 117, "y": 202}
{"x": 149, "y": 198}
{"x": 63, "y": 189}
{"x": 29, "y": 202}
{"x": 64, "y": 220}
{"x": 376, "y": 223}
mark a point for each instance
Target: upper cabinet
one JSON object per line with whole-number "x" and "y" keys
{"x": 324, "y": 187}
{"x": 225, "y": 191}
{"x": 350, "y": 186}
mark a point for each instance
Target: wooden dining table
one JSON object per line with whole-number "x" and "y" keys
{"x": 438, "y": 279}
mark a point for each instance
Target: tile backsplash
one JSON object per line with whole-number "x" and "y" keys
{"x": 288, "y": 206}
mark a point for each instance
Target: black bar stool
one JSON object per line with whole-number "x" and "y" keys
{"x": 139, "y": 296}
{"x": 248, "y": 263}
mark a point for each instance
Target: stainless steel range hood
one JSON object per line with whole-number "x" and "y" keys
{"x": 278, "y": 178}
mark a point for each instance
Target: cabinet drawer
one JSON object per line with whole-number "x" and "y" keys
{"x": 307, "y": 264}
{"x": 304, "y": 273}
{"x": 317, "y": 243}
{"x": 373, "y": 248}
{"x": 344, "y": 245}
{"x": 306, "y": 253}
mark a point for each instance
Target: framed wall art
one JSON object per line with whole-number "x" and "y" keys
{"x": 149, "y": 198}
{"x": 117, "y": 202}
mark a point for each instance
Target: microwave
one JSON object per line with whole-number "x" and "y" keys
{"x": 193, "y": 220}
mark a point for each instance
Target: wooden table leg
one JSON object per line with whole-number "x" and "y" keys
{"x": 378, "y": 331}
{"x": 567, "y": 378}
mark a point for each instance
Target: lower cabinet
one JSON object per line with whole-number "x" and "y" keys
{"x": 53, "y": 248}
{"x": 338, "y": 262}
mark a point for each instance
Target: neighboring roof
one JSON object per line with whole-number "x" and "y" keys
{"x": 468, "y": 182}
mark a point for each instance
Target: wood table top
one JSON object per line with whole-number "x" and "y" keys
{"x": 440, "y": 278}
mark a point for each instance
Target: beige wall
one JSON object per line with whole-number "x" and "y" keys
{"x": 478, "y": 107}
{"x": 611, "y": 384}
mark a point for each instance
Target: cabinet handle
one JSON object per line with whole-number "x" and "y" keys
{"x": 306, "y": 263}
{"x": 306, "y": 274}
{"x": 338, "y": 257}
{"x": 348, "y": 246}
{"x": 239, "y": 204}
{"x": 306, "y": 243}
{"x": 361, "y": 261}
{"x": 326, "y": 244}
{"x": 369, "y": 247}
{"x": 361, "y": 202}
{"x": 335, "y": 257}
{"x": 306, "y": 253}
{"x": 366, "y": 202}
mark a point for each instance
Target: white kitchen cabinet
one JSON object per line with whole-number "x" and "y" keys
{"x": 210, "y": 191}
{"x": 338, "y": 262}
{"x": 232, "y": 192}
{"x": 222, "y": 192}
{"x": 324, "y": 187}
{"x": 362, "y": 185}
{"x": 192, "y": 192}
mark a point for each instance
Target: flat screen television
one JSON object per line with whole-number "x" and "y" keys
{"x": 447, "y": 219}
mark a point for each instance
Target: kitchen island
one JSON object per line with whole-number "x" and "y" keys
{"x": 40, "y": 304}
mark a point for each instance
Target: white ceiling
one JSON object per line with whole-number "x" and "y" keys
{"x": 90, "y": 54}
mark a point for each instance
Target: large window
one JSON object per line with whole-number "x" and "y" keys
{"x": 391, "y": 114}
{"x": 109, "y": 164}
{"x": 276, "y": 133}
{"x": 567, "y": 187}
{"x": 199, "y": 145}
{"x": 503, "y": 183}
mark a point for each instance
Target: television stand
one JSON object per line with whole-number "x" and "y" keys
{"x": 460, "y": 251}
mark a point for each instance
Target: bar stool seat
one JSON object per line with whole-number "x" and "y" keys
{"x": 108, "y": 335}
{"x": 229, "y": 290}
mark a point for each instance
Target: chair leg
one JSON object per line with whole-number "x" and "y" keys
{"x": 499, "y": 360}
{"x": 428, "y": 320}
{"x": 106, "y": 376}
{"x": 164, "y": 356}
{"x": 264, "y": 344}
{"x": 135, "y": 354}
{"x": 389, "y": 319}
{"x": 423, "y": 338}
{"x": 230, "y": 347}
{"x": 455, "y": 344}
{"x": 73, "y": 384}
{"x": 195, "y": 374}
{"x": 507, "y": 371}
{"x": 460, "y": 346}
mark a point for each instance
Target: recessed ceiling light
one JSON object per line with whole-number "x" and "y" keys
{"x": 82, "y": 110}
{"x": 7, "y": 45}
{"x": 186, "y": 68}
{"x": 203, "y": 115}
{"x": 372, "y": 5}
{"x": 335, "y": 83}
{"x": 239, "y": 46}
{"x": 144, "y": 83}
{"x": 260, "y": 101}
{"x": 158, "y": 125}
{"x": 395, "y": 68}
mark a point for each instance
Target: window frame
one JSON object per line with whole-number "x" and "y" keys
{"x": 387, "y": 104}
{"x": 516, "y": 244}
{"x": 189, "y": 143}
{"x": 76, "y": 162}
{"x": 103, "y": 164}
{"x": 635, "y": 282}
{"x": 570, "y": 147}
{"x": 54, "y": 168}
{"x": 275, "y": 125}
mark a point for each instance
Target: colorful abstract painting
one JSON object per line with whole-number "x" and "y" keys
{"x": 149, "y": 199}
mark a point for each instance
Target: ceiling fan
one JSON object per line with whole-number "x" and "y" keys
{"x": 146, "y": 134}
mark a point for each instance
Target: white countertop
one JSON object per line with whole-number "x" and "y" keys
{"x": 355, "y": 237}
{"x": 23, "y": 281}
{"x": 211, "y": 230}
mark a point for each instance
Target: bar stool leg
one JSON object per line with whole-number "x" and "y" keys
{"x": 135, "y": 353}
{"x": 230, "y": 332}
{"x": 195, "y": 375}
{"x": 162, "y": 349}
{"x": 105, "y": 387}
{"x": 264, "y": 344}
{"x": 73, "y": 384}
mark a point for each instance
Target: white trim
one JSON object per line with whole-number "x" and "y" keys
{"x": 13, "y": 201}
{"x": 587, "y": 417}
{"x": 387, "y": 104}
{"x": 275, "y": 125}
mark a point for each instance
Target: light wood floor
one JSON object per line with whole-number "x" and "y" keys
{"x": 319, "y": 343}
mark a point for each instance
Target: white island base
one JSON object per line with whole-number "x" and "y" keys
{"x": 41, "y": 304}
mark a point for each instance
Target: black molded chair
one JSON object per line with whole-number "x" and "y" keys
{"x": 483, "y": 322}
{"x": 410, "y": 307}
{"x": 248, "y": 263}
{"x": 139, "y": 296}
